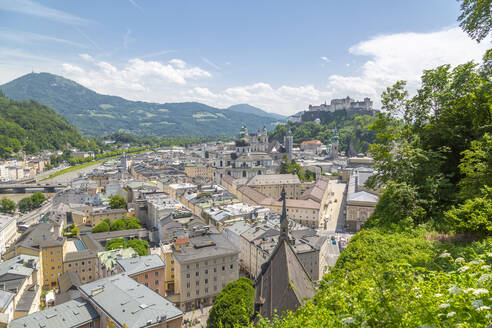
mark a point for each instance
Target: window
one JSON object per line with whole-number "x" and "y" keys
{"x": 188, "y": 294}
{"x": 69, "y": 265}
{"x": 157, "y": 291}
{"x": 197, "y": 292}
{"x": 215, "y": 278}
{"x": 156, "y": 282}
{"x": 232, "y": 266}
{"x": 89, "y": 262}
{"x": 172, "y": 261}
{"x": 215, "y": 288}
{"x": 206, "y": 281}
{"x": 172, "y": 276}
{"x": 197, "y": 273}
{"x": 188, "y": 285}
{"x": 215, "y": 269}
{"x": 223, "y": 268}
{"x": 90, "y": 269}
{"x": 90, "y": 277}
{"x": 51, "y": 253}
{"x": 197, "y": 265}
{"x": 197, "y": 283}
{"x": 146, "y": 276}
{"x": 206, "y": 290}
{"x": 52, "y": 268}
{"x": 156, "y": 274}
{"x": 146, "y": 284}
{"x": 187, "y": 266}
{"x": 83, "y": 263}
{"x": 206, "y": 262}
{"x": 187, "y": 275}
{"x": 172, "y": 269}
{"x": 206, "y": 271}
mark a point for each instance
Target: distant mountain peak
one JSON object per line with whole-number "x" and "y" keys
{"x": 96, "y": 114}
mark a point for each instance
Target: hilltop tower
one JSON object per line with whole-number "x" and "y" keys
{"x": 288, "y": 142}
{"x": 334, "y": 144}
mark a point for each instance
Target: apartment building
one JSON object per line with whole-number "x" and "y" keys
{"x": 203, "y": 266}
{"x": 8, "y": 231}
{"x": 272, "y": 185}
{"x": 148, "y": 270}
{"x": 52, "y": 252}
{"x": 84, "y": 263}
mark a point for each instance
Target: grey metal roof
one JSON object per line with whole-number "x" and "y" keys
{"x": 5, "y": 299}
{"x": 21, "y": 265}
{"x": 134, "y": 265}
{"x": 126, "y": 301}
{"x": 207, "y": 246}
{"x": 67, "y": 315}
{"x": 80, "y": 255}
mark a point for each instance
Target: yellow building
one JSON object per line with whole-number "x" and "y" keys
{"x": 199, "y": 171}
{"x": 271, "y": 185}
{"x": 51, "y": 262}
{"x": 99, "y": 216}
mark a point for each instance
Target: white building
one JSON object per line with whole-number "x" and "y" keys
{"x": 8, "y": 231}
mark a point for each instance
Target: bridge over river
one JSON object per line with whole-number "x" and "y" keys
{"x": 11, "y": 188}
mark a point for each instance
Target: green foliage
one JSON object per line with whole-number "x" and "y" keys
{"x": 7, "y": 205}
{"x": 433, "y": 146}
{"x": 30, "y": 127}
{"x": 353, "y": 132}
{"x": 476, "y": 18}
{"x": 139, "y": 246}
{"x": 401, "y": 280}
{"x": 116, "y": 243}
{"x": 101, "y": 227}
{"x": 96, "y": 114}
{"x": 117, "y": 201}
{"x": 75, "y": 231}
{"x": 291, "y": 167}
{"x": 474, "y": 216}
{"x": 476, "y": 167}
{"x": 119, "y": 224}
{"x": 29, "y": 203}
{"x": 233, "y": 306}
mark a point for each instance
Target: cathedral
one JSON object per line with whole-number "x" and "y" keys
{"x": 252, "y": 143}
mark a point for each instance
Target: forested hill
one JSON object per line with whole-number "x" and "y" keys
{"x": 353, "y": 131}
{"x": 96, "y": 114}
{"x": 30, "y": 127}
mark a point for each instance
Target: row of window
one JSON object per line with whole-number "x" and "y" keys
{"x": 197, "y": 292}
{"x": 197, "y": 274}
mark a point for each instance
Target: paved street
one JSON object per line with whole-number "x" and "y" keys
{"x": 196, "y": 318}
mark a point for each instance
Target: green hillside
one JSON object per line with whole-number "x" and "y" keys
{"x": 248, "y": 109}
{"x": 30, "y": 127}
{"x": 96, "y": 114}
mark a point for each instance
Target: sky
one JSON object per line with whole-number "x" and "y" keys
{"x": 280, "y": 55}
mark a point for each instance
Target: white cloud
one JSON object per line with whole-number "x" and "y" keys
{"x": 137, "y": 79}
{"x": 404, "y": 56}
{"x": 32, "y": 8}
{"x": 325, "y": 59}
{"x": 86, "y": 57}
{"x": 211, "y": 63}
{"x": 385, "y": 59}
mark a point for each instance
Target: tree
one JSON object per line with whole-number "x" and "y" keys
{"x": 476, "y": 166}
{"x": 25, "y": 204}
{"x": 7, "y": 206}
{"x": 119, "y": 224}
{"x": 139, "y": 246}
{"x": 116, "y": 243}
{"x": 101, "y": 227}
{"x": 75, "y": 231}
{"x": 474, "y": 216}
{"x": 117, "y": 201}
{"x": 37, "y": 199}
{"x": 476, "y": 18}
{"x": 233, "y": 306}
{"x": 133, "y": 223}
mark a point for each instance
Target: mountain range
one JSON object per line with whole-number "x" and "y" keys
{"x": 96, "y": 114}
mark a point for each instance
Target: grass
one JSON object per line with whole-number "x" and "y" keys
{"x": 81, "y": 166}
{"x": 74, "y": 168}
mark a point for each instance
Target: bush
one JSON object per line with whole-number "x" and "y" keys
{"x": 474, "y": 216}
{"x": 139, "y": 246}
{"x": 101, "y": 227}
{"x": 234, "y": 305}
{"x": 119, "y": 224}
{"x": 117, "y": 201}
{"x": 7, "y": 206}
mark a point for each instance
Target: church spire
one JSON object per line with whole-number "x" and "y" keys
{"x": 284, "y": 222}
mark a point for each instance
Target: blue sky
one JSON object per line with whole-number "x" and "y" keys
{"x": 278, "y": 55}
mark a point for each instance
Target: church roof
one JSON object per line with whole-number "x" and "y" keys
{"x": 283, "y": 283}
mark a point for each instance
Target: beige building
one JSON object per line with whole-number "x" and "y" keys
{"x": 96, "y": 217}
{"x": 51, "y": 260}
{"x": 202, "y": 269}
{"x": 84, "y": 263}
{"x": 361, "y": 201}
{"x": 199, "y": 171}
{"x": 271, "y": 185}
